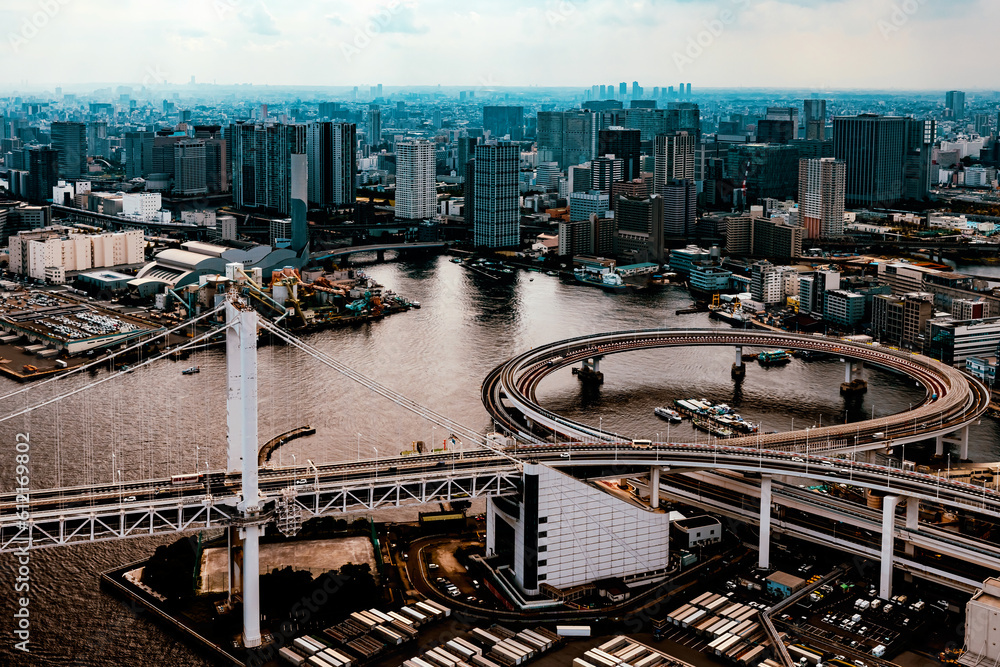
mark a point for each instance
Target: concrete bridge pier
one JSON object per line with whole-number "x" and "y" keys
{"x": 889, "y": 504}
{"x": 959, "y": 438}
{"x": 939, "y": 446}
{"x": 590, "y": 371}
{"x": 380, "y": 255}
{"x": 764, "y": 550}
{"x": 739, "y": 368}
{"x": 854, "y": 383}
{"x": 912, "y": 521}
{"x": 654, "y": 487}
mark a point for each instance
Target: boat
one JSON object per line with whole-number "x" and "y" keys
{"x": 712, "y": 427}
{"x": 668, "y": 414}
{"x": 456, "y": 261}
{"x": 774, "y": 358}
{"x": 414, "y": 304}
{"x": 607, "y": 281}
{"x": 551, "y": 273}
{"x": 191, "y": 371}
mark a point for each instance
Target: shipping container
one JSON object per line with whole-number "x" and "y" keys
{"x": 384, "y": 617}
{"x": 445, "y": 611}
{"x": 677, "y": 614}
{"x": 653, "y": 660}
{"x": 342, "y": 655}
{"x": 290, "y": 656}
{"x": 580, "y": 662}
{"x": 489, "y": 639}
{"x": 469, "y": 645}
{"x": 599, "y": 660}
{"x": 389, "y": 636}
{"x": 303, "y": 644}
{"x": 483, "y": 661}
{"x": 545, "y": 641}
{"x": 402, "y": 618}
{"x": 693, "y": 618}
{"x": 418, "y": 617}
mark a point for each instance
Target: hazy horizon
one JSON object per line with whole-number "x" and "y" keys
{"x": 815, "y": 45}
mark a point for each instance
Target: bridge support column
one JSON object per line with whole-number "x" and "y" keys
{"x": 912, "y": 521}
{"x": 241, "y": 422}
{"x": 380, "y": 255}
{"x": 595, "y": 364}
{"x": 939, "y": 446}
{"x": 963, "y": 443}
{"x": 590, "y": 371}
{"x": 654, "y": 487}
{"x": 764, "y": 551}
{"x": 854, "y": 384}
{"x": 739, "y": 369}
{"x": 888, "y": 540}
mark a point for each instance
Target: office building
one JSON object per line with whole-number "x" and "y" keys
{"x": 97, "y": 139}
{"x": 43, "y": 173}
{"x": 813, "y": 288}
{"x": 583, "y": 204}
{"x": 333, "y": 160}
{"x": 625, "y": 144}
{"x": 262, "y": 164}
{"x": 498, "y": 214}
{"x": 789, "y": 114}
{"x": 775, "y": 131}
{"x": 844, "y": 309}
{"x": 190, "y": 176}
{"x": 547, "y": 176}
{"x": 501, "y": 122}
{"x": 872, "y": 148}
{"x": 416, "y": 186}
{"x": 469, "y": 192}
{"x": 954, "y": 101}
{"x": 138, "y": 154}
{"x": 466, "y": 151}
{"x": 680, "y": 203}
{"x": 639, "y": 229}
{"x": 821, "y": 197}
{"x": 70, "y": 139}
{"x": 567, "y": 137}
{"x": 674, "y": 159}
{"x": 920, "y": 138}
{"x": 770, "y": 170}
{"x": 902, "y": 321}
{"x": 815, "y": 119}
{"x": 954, "y": 341}
{"x": 374, "y": 126}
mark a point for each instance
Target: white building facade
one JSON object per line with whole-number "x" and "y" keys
{"x": 416, "y": 189}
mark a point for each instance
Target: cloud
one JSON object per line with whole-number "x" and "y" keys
{"x": 259, "y": 20}
{"x": 403, "y": 19}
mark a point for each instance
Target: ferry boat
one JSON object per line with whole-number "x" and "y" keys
{"x": 668, "y": 414}
{"x": 713, "y": 428}
{"x": 191, "y": 371}
{"x": 774, "y": 358}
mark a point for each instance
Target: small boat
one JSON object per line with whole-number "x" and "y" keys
{"x": 551, "y": 273}
{"x": 191, "y": 371}
{"x": 414, "y": 304}
{"x": 668, "y": 414}
{"x": 713, "y": 428}
{"x": 456, "y": 261}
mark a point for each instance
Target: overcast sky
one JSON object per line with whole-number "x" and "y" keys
{"x": 813, "y": 44}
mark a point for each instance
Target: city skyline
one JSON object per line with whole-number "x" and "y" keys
{"x": 878, "y": 45}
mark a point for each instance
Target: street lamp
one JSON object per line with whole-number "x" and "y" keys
{"x": 359, "y": 446}
{"x": 295, "y": 470}
{"x": 376, "y": 460}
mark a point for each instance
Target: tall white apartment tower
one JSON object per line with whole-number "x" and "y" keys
{"x": 416, "y": 193}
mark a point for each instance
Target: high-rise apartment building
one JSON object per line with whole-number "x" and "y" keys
{"x": 680, "y": 203}
{"x": 374, "y": 127}
{"x": 920, "y": 138}
{"x": 768, "y": 238}
{"x": 70, "y": 139}
{"x": 872, "y": 148}
{"x": 815, "y": 118}
{"x": 504, "y": 121}
{"x": 625, "y": 144}
{"x": 605, "y": 172}
{"x": 674, "y": 159}
{"x": 262, "y": 164}
{"x": 416, "y": 186}
{"x": 332, "y": 163}
{"x": 469, "y": 192}
{"x": 821, "y": 197}
{"x": 43, "y": 173}
{"x": 498, "y": 213}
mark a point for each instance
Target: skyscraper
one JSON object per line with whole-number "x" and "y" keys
{"x": 262, "y": 169}
{"x": 497, "y": 216}
{"x": 674, "y": 156}
{"x": 466, "y": 150}
{"x": 70, "y": 139}
{"x": 374, "y": 128}
{"x": 815, "y": 117}
{"x": 332, "y": 163}
{"x": 680, "y": 203}
{"x": 469, "y": 191}
{"x": 501, "y": 122}
{"x": 821, "y": 197}
{"x": 43, "y": 173}
{"x": 872, "y": 147}
{"x": 639, "y": 228}
{"x": 567, "y": 137}
{"x": 97, "y": 139}
{"x": 920, "y": 138}
{"x": 138, "y": 154}
{"x": 190, "y": 176}
{"x": 416, "y": 188}
{"x": 605, "y": 172}
{"x": 622, "y": 90}
{"x": 785, "y": 113}
{"x": 625, "y": 144}
{"x": 955, "y": 103}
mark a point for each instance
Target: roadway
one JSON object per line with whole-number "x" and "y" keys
{"x": 952, "y": 400}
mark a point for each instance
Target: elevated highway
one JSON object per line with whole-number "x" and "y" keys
{"x": 951, "y": 401}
